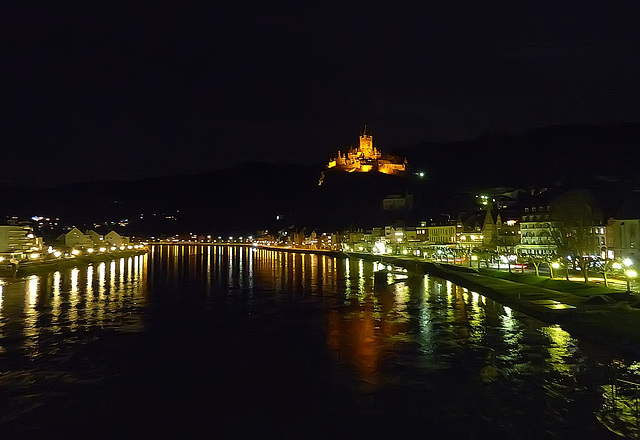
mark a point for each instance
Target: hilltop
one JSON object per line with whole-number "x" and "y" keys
{"x": 257, "y": 195}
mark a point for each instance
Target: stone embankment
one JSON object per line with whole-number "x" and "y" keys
{"x": 34, "y": 267}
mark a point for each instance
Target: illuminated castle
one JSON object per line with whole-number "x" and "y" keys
{"x": 367, "y": 158}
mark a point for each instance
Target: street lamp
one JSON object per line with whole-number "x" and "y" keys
{"x": 554, "y": 265}
{"x": 630, "y": 273}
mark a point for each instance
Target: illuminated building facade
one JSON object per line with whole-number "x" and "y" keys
{"x": 622, "y": 238}
{"x": 367, "y": 158}
{"x": 19, "y": 242}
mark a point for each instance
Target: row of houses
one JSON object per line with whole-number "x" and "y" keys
{"x": 20, "y": 242}
{"x": 569, "y": 224}
{"x": 75, "y": 238}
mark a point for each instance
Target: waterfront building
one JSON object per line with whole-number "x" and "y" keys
{"x": 76, "y": 239}
{"x": 19, "y": 242}
{"x": 438, "y": 234}
{"x": 500, "y": 234}
{"x": 622, "y": 238}
{"x": 97, "y": 239}
{"x": 538, "y": 232}
{"x": 112, "y": 238}
{"x": 367, "y": 158}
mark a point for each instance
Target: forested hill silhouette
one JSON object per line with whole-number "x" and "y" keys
{"x": 253, "y": 195}
{"x": 569, "y": 154}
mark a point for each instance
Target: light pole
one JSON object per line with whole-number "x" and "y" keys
{"x": 554, "y": 265}
{"x": 630, "y": 273}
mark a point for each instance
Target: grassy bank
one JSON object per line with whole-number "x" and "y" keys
{"x": 574, "y": 287}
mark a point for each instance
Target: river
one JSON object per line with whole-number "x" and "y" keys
{"x": 238, "y": 341}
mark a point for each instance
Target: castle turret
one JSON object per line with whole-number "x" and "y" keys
{"x": 366, "y": 144}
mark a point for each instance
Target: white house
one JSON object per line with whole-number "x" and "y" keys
{"x": 96, "y": 238}
{"x": 76, "y": 239}
{"x": 112, "y": 238}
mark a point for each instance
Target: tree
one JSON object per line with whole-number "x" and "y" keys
{"x": 574, "y": 213}
{"x": 536, "y": 260}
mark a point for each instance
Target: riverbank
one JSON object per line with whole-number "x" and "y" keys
{"x": 35, "y": 267}
{"x": 604, "y": 315}
{"x": 305, "y": 251}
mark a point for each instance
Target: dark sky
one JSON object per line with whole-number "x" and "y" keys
{"x": 123, "y": 93}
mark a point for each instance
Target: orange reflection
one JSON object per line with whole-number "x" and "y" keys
{"x": 353, "y": 337}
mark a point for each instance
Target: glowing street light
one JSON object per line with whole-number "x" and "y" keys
{"x": 630, "y": 273}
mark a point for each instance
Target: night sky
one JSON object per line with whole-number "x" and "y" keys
{"x": 129, "y": 93}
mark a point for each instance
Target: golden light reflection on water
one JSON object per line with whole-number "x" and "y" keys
{"x": 56, "y": 302}
{"x": 89, "y": 307}
{"x": 347, "y": 278}
{"x": 70, "y": 300}
{"x": 510, "y": 329}
{"x": 477, "y": 318}
{"x": 31, "y": 329}
{"x": 73, "y": 300}
{"x": 112, "y": 276}
{"x": 561, "y": 349}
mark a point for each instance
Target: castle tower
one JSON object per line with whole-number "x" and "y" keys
{"x": 366, "y": 144}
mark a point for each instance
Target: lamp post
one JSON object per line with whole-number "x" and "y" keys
{"x": 630, "y": 273}
{"x": 554, "y": 265}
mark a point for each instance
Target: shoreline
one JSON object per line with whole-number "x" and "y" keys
{"x": 613, "y": 319}
{"x": 32, "y": 268}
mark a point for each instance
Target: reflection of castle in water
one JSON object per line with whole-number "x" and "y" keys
{"x": 366, "y": 158}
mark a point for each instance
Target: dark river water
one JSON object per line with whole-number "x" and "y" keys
{"x": 235, "y": 342}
